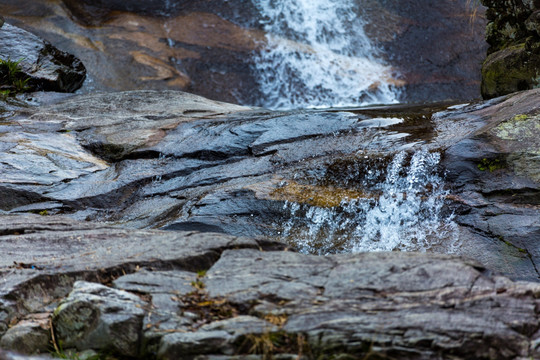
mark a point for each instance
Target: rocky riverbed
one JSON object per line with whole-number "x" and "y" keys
{"x": 210, "y": 172}
{"x": 249, "y": 197}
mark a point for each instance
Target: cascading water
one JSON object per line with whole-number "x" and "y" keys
{"x": 405, "y": 212}
{"x": 318, "y": 55}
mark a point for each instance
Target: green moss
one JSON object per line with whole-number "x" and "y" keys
{"x": 520, "y": 117}
{"x": 491, "y": 165}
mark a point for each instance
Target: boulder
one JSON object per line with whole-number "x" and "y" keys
{"x": 97, "y": 317}
{"x": 46, "y": 67}
{"x": 513, "y": 55}
{"x": 31, "y": 335}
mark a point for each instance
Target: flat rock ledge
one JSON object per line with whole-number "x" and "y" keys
{"x": 189, "y": 295}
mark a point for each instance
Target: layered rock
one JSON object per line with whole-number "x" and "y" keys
{"x": 180, "y": 162}
{"x": 513, "y": 33}
{"x": 44, "y": 66}
{"x": 191, "y": 295}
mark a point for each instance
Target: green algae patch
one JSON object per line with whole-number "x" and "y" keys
{"x": 491, "y": 165}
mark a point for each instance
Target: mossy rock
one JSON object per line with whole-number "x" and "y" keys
{"x": 510, "y": 70}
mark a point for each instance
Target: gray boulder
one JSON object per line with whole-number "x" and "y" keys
{"x": 96, "y": 317}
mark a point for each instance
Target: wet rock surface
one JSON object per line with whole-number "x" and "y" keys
{"x": 250, "y": 301}
{"x": 210, "y": 172}
{"x": 46, "y": 67}
{"x": 436, "y": 49}
{"x": 320, "y": 181}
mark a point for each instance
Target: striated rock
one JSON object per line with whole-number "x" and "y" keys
{"x": 96, "y": 317}
{"x": 253, "y": 302}
{"x": 47, "y": 68}
{"x": 186, "y": 163}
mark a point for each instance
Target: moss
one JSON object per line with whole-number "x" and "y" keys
{"x": 491, "y": 165}
{"x": 520, "y": 117}
{"x": 509, "y": 70}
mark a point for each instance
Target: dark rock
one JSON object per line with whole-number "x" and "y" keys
{"x": 96, "y": 317}
{"x": 187, "y": 163}
{"x": 47, "y": 67}
{"x": 512, "y": 33}
{"x": 509, "y": 70}
{"x": 496, "y": 173}
{"x": 31, "y": 335}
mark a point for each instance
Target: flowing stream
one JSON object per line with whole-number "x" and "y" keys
{"x": 397, "y": 207}
{"x": 318, "y": 55}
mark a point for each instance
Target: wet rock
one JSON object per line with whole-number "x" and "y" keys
{"x": 46, "y": 67}
{"x": 186, "y": 163}
{"x": 206, "y": 47}
{"x": 96, "y": 317}
{"x": 496, "y": 176}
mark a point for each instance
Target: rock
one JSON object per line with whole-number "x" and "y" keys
{"x": 186, "y": 163}
{"x": 1, "y": 21}
{"x": 513, "y": 55}
{"x": 65, "y": 251}
{"x": 31, "y": 335}
{"x": 207, "y": 47}
{"x": 509, "y": 70}
{"x": 496, "y": 172}
{"x": 47, "y": 67}
{"x": 253, "y": 302}
{"x": 96, "y": 317}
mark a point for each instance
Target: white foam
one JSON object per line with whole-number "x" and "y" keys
{"x": 318, "y": 55}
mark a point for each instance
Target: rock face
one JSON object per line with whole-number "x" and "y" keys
{"x": 170, "y": 160}
{"x": 513, "y": 33}
{"x": 248, "y": 301}
{"x": 206, "y": 47}
{"x": 46, "y": 67}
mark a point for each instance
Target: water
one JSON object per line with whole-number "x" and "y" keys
{"x": 318, "y": 55}
{"x": 404, "y": 212}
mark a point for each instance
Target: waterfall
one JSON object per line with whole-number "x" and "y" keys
{"x": 318, "y": 55}
{"x": 405, "y": 215}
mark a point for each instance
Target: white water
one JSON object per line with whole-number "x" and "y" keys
{"x": 318, "y": 55}
{"x": 407, "y": 216}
